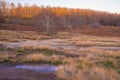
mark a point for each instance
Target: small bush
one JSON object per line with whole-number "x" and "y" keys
{"x": 57, "y": 62}
{"x": 20, "y": 50}
{"x": 118, "y": 71}
{"x": 106, "y": 64}
{"x": 1, "y": 33}
{"x": 36, "y": 57}
{"x": 96, "y": 25}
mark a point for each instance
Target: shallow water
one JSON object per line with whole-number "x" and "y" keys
{"x": 34, "y": 67}
{"x": 38, "y": 68}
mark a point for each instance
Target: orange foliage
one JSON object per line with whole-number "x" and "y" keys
{"x": 27, "y": 11}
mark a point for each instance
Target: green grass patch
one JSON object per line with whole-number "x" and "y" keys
{"x": 118, "y": 71}
{"x": 106, "y": 64}
{"x": 50, "y": 52}
{"x": 20, "y": 50}
{"x": 1, "y": 33}
{"x": 57, "y": 62}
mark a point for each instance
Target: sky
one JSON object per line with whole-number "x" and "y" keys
{"x": 112, "y": 6}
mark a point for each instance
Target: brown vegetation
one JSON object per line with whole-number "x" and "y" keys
{"x": 75, "y": 63}
{"x": 15, "y": 36}
{"x": 83, "y": 30}
{"x": 50, "y": 19}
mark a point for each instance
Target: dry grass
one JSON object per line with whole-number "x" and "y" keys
{"x": 93, "y": 43}
{"x": 90, "y": 63}
{"x": 36, "y": 57}
{"x": 81, "y": 68}
{"x": 85, "y": 70}
{"x": 86, "y": 40}
{"x": 5, "y": 57}
{"x": 36, "y": 46}
{"x": 92, "y": 53}
{"x": 101, "y": 31}
{"x": 14, "y": 36}
{"x": 39, "y": 57}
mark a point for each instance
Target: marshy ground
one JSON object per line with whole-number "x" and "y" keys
{"x": 76, "y": 57}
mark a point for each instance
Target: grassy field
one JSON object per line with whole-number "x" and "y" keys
{"x": 79, "y": 62}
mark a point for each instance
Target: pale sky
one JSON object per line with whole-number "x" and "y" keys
{"x": 102, "y": 5}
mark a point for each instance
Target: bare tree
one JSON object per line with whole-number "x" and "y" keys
{"x": 46, "y": 19}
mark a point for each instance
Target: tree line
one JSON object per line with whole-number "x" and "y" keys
{"x": 50, "y": 18}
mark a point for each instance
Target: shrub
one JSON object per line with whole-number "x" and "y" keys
{"x": 20, "y": 50}
{"x": 94, "y": 73}
{"x": 36, "y": 57}
{"x": 95, "y": 25}
{"x": 107, "y": 64}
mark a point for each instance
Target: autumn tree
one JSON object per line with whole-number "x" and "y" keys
{"x": 2, "y": 7}
{"x": 19, "y": 10}
{"x": 50, "y": 18}
{"x": 46, "y": 19}
{"x": 13, "y": 10}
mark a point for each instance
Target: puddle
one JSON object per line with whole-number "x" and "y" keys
{"x": 41, "y": 68}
